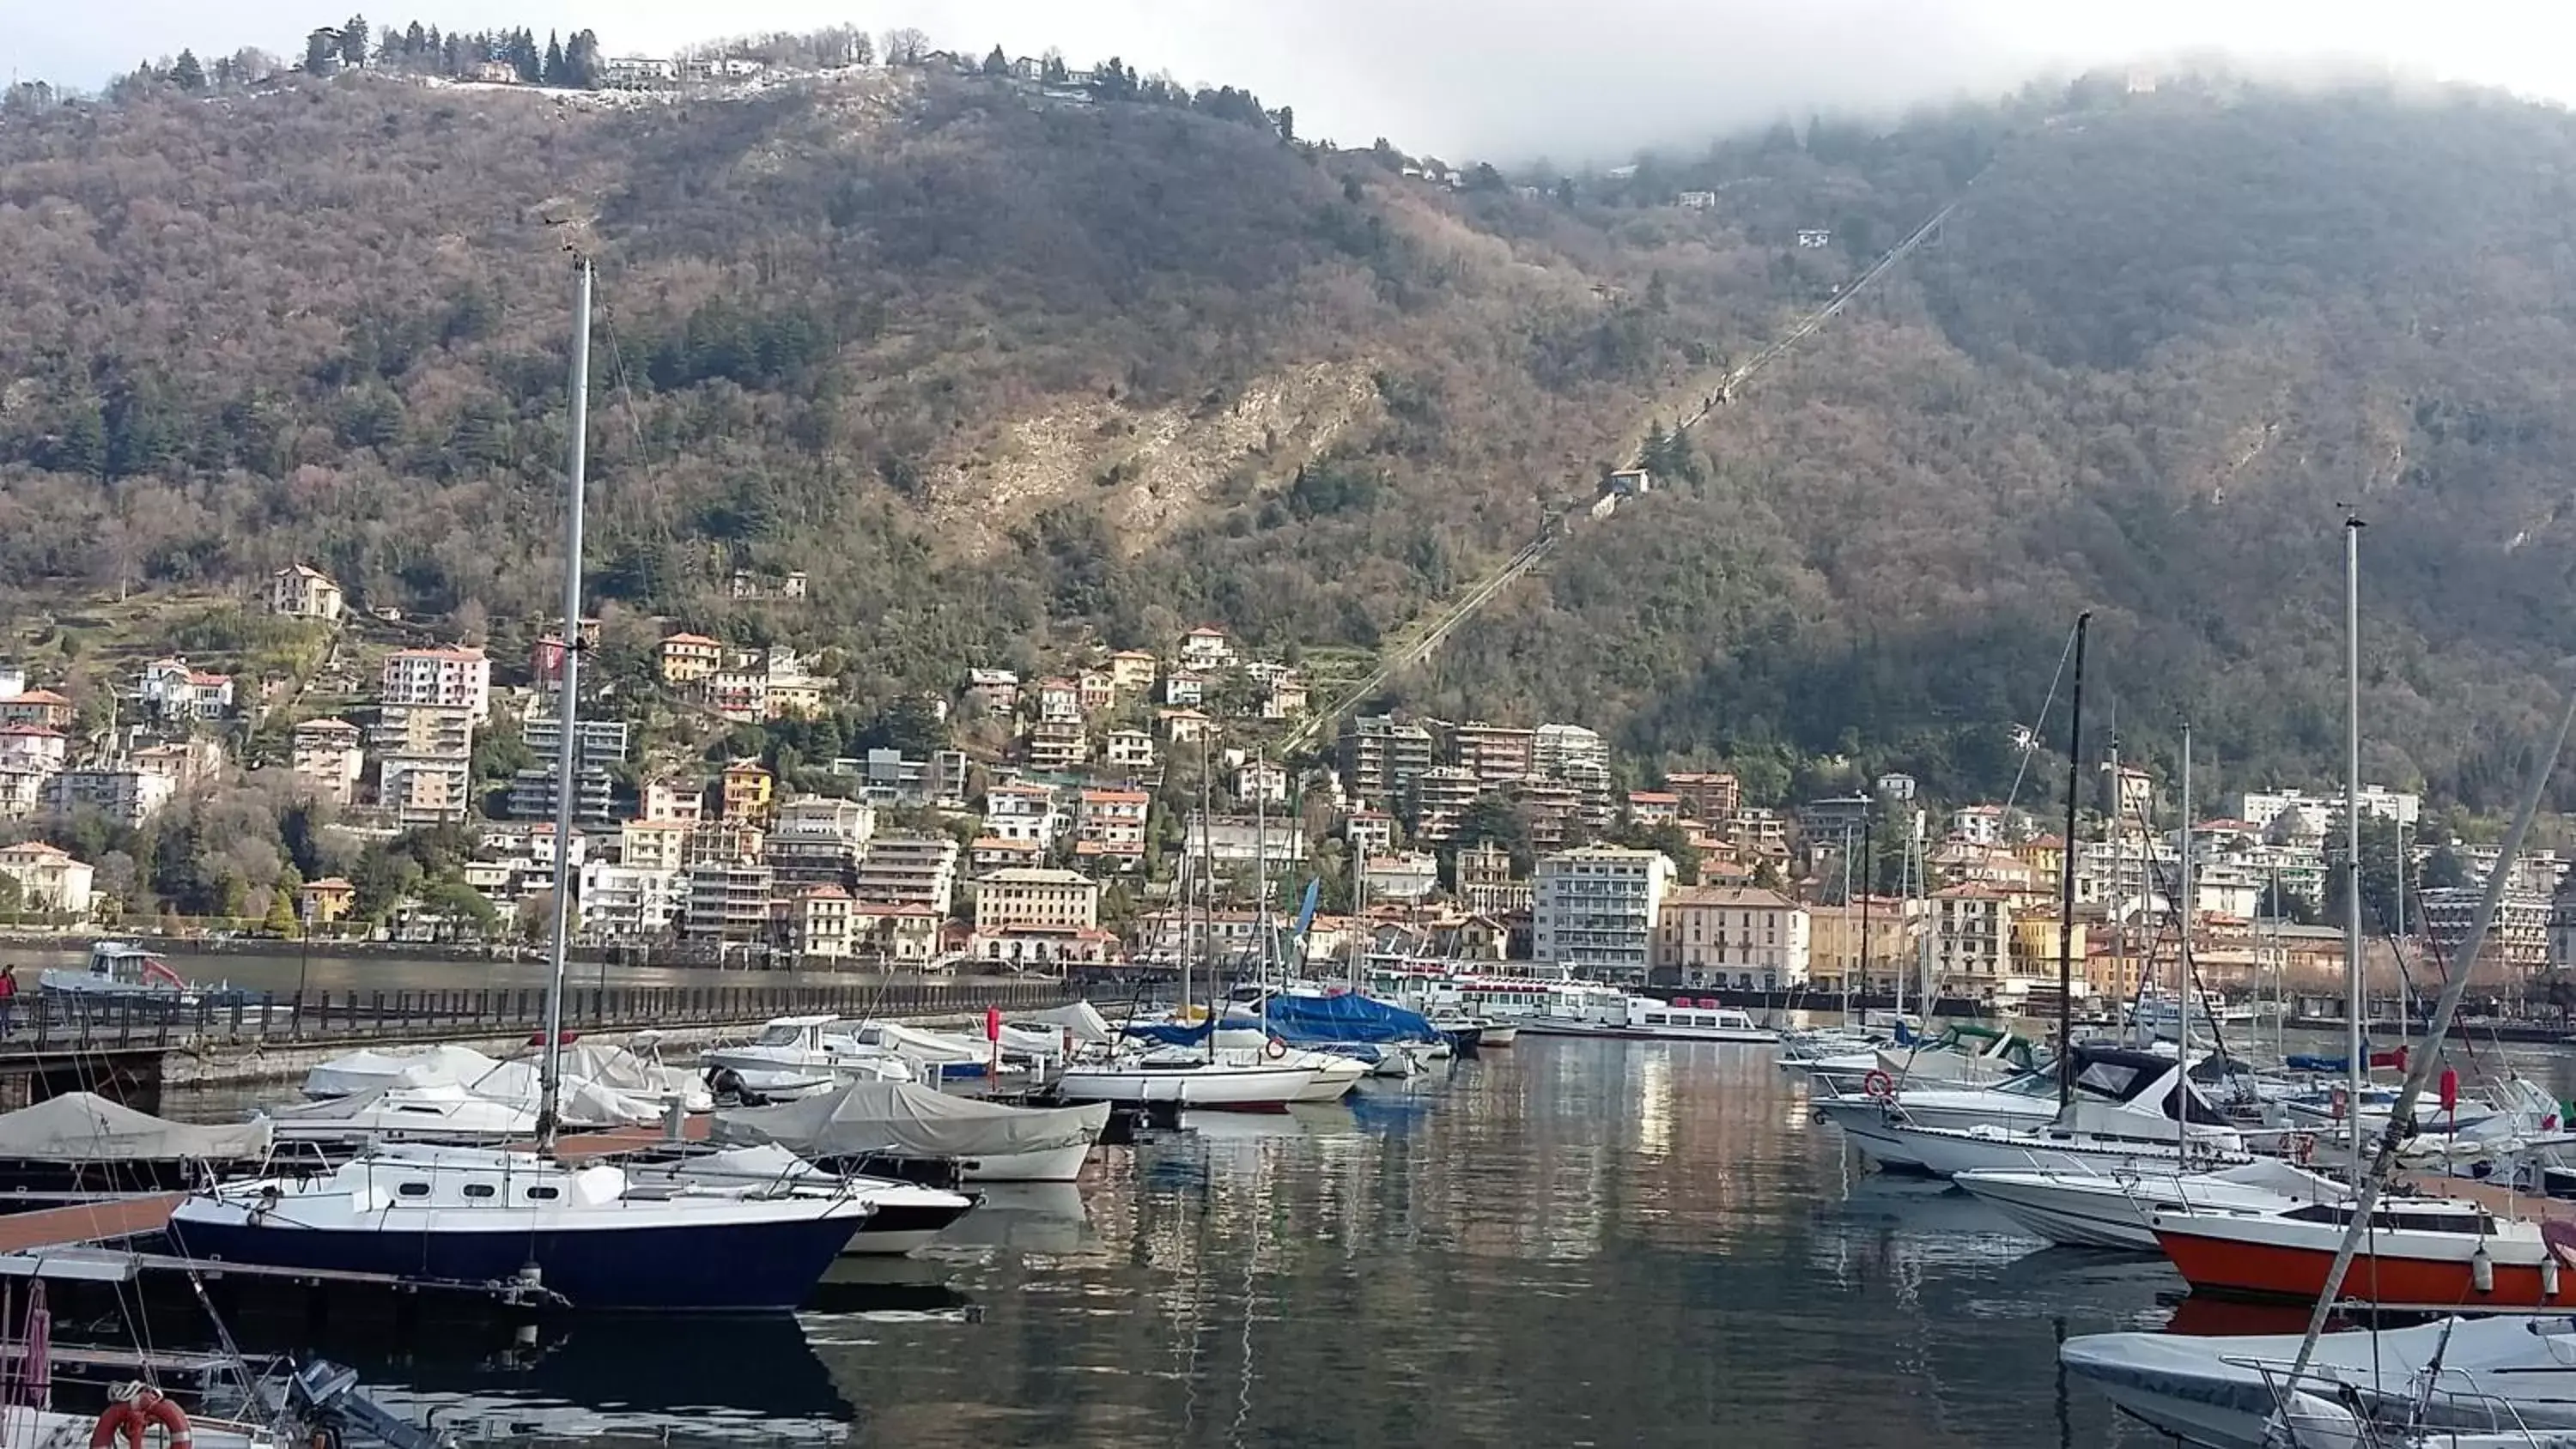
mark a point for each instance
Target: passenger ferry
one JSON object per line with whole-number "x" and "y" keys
{"x": 1549, "y": 1001}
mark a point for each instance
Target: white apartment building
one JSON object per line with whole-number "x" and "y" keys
{"x": 329, "y": 758}
{"x": 424, "y": 729}
{"x": 2280, "y": 813}
{"x": 1972, "y": 939}
{"x": 817, "y": 840}
{"x": 1245, "y": 839}
{"x": 459, "y": 678}
{"x": 123, "y": 794}
{"x": 425, "y": 789}
{"x": 33, "y": 747}
{"x": 628, "y": 901}
{"x": 1026, "y": 812}
{"x": 1596, "y": 909}
{"x": 908, "y": 870}
{"x": 654, "y": 845}
{"x": 1721, "y": 936}
{"x": 1401, "y": 875}
{"x": 727, "y": 901}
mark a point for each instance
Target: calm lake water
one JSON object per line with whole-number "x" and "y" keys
{"x": 1566, "y": 1243}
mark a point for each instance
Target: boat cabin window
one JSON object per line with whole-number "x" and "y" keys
{"x": 1657, "y": 1018}
{"x": 780, "y": 1035}
{"x": 478, "y": 1189}
{"x": 413, "y": 1189}
{"x": 2435, "y": 1221}
{"x": 544, "y": 1194}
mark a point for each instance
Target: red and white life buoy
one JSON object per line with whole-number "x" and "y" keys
{"x": 1275, "y": 1049}
{"x": 1878, "y": 1085}
{"x": 135, "y": 1409}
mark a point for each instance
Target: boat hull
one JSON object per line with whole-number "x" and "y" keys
{"x": 2074, "y": 1219}
{"x": 1054, "y": 1164}
{"x": 904, "y": 1226}
{"x": 1258, "y": 1089}
{"x": 2397, "y": 1269}
{"x": 759, "y": 1266}
{"x": 1497, "y": 1034}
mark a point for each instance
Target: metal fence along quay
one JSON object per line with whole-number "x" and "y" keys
{"x": 64, "y": 1023}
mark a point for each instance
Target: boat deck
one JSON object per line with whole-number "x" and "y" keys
{"x": 2494, "y": 1198}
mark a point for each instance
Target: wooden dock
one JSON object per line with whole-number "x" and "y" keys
{"x": 91, "y": 1222}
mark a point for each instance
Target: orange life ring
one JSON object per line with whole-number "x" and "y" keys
{"x": 1878, "y": 1085}
{"x": 1275, "y": 1049}
{"x": 130, "y": 1417}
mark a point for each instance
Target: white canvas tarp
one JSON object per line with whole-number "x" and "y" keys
{"x": 916, "y": 1121}
{"x": 82, "y": 1127}
{"x": 1081, "y": 1019}
{"x": 923, "y": 1046}
{"x": 365, "y": 1071}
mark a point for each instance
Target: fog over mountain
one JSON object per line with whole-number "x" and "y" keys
{"x": 1508, "y": 79}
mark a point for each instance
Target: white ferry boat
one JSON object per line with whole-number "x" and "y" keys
{"x": 1549, "y": 1001}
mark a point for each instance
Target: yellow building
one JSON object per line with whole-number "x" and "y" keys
{"x": 689, "y": 658}
{"x": 748, "y": 793}
{"x": 325, "y": 902}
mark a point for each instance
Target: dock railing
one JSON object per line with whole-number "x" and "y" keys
{"x": 59, "y": 1022}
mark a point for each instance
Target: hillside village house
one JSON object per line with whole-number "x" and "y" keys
{"x": 1286, "y": 698}
{"x": 1095, "y": 690}
{"x": 1109, "y": 827}
{"x": 989, "y": 853}
{"x": 1205, "y": 648}
{"x": 321, "y": 904}
{"x": 1057, "y": 746}
{"x": 690, "y": 658}
{"x": 36, "y": 707}
{"x": 301, "y": 592}
{"x": 121, "y": 793}
{"x": 1185, "y": 726}
{"x": 995, "y": 691}
{"x": 814, "y": 922}
{"x": 1651, "y": 807}
{"x": 33, "y": 747}
{"x": 1022, "y": 811}
{"x": 48, "y": 878}
{"x": 22, "y": 792}
{"x": 1972, "y": 939}
{"x": 1184, "y": 688}
{"x": 1060, "y": 701}
{"x": 1131, "y": 750}
{"x": 174, "y": 691}
{"x": 654, "y": 844}
{"x": 1261, "y": 780}
{"x": 1401, "y": 875}
{"x": 747, "y": 793}
{"x": 1133, "y": 669}
{"x": 1369, "y": 830}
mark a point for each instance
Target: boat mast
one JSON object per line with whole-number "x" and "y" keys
{"x": 1260, "y": 892}
{"x": 567, "y": 708}
{"x": 2357, "y": 1067}
{"x": 1904, "y": 893}
{"x": 2066, "y": 876}
{"x": 2182, "y": 962}
{"x": 1359, "y": 913}
{"x": 2111, "y": 905}
{"x": 1207, "y": 887}
{"x": 1868, "y": 869}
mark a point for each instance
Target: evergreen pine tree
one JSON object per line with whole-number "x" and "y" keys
{"x": 187, "y": 73}
{"x": 353, "y": 41}
{"x": 997, "y": 63}
{"x": 553, "y": 67}
{"x": 416, "y": 41}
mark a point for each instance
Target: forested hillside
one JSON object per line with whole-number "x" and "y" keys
{"x": 1001, "y": 370}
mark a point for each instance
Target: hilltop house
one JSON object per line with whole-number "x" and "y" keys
{"x": 301, "y": 592}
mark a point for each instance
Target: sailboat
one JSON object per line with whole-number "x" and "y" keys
{"x": 588, "y": 1234}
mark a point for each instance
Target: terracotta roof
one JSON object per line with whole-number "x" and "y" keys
{"x": 31, "y": 731}
{"x": 35, "y": 696}
{"x": 671, "y": 639}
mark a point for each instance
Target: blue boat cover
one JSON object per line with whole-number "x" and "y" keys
{"x": 1165, "y": 1033}
{"x": 1350, "y": 1017}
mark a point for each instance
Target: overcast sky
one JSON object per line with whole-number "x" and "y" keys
{"x": 1575, "y": 79}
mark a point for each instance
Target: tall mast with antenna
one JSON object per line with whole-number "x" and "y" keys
{"x": 567, "y": 709}
{"x": 2357, "y": 1068}
{"x": 2066, "y": 875}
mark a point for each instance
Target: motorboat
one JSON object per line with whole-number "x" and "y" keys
{"x": 125, "y": 970}
{"x": 2117, "y": 1210}
{"x": 1185, "y": 1078}
{"x": 2024, "y": 1103}
{"x": 2418, "y": 1254}
{"x": 579, "y": 1232}
{"x": 2466, "y": 1376}
{"x": 1497, "y": 1033}
{"x": 991, "y": 1142}
{"x": 2125, "y": 1110}
{"x": 1964, "y": 1054}
{"x": 800, "y": 1056}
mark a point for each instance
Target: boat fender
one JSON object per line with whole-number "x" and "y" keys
{"x": 2482, "y": 1270}
{"x": 134, "y": 1407}
{"x": 2549, "y": 1276}
{"x": 1275, "y": 1049}
{"x": 1878, "y": 1085}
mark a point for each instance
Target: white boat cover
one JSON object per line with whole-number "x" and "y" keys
{"x": 364, "y": 1071}
{"x": 84, "y": 1127}
{"x": 923, "y": 1046}
{"x": 585, "y": 1103}
{"x": 918, "y": 1121}
{"x": 444, "y": 1107}
{"x": 1080, "y": 1018}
